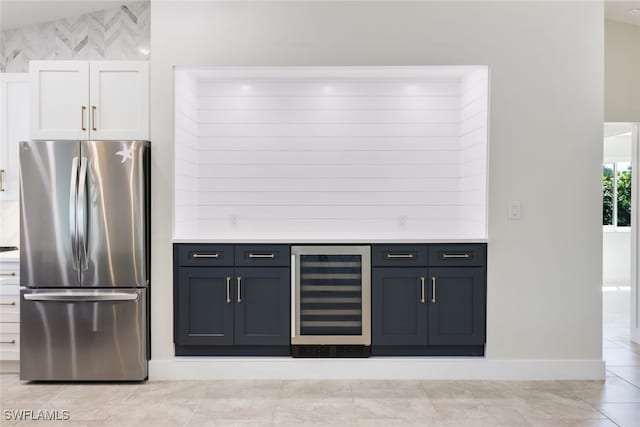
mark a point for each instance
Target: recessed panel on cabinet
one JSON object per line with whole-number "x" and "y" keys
{"x": 119, "y": 100}
{"x": 203, "y": 255}
{"x": 59, "y": 99}
{"x": 262, "y": 255}
{"x": 262, "y": 310}
{"x": 399, "y": 307}
{"x": 205, "y": 306}
{"x": 456, "y": 306}
{"x": 457, "y": 255}
{"x": 399, "y": 256}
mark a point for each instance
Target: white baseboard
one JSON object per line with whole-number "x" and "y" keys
{"x": 402, "y": 368}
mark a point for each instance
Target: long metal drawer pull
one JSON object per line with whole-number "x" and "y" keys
{"x": 93, "y": 117}
{"x": 82, "y": 110}
{"x": 449, "y": 256}
{"x": 271, "y": 256}
{"x": 228, "y": 290}
{"x": 196, "y": 255}
{"x": 12, "y": 274}
{"x": 8, "y": 342}
{"x": 83, "y": 261}
{"x": 81, "y": 297}
{"x": 1, "y": 179}
{"x": 422, "y": 290}
{"x": 404, "y": 256}
{"x": 433, "y": 290}
{"x": 8, "y": 303}
{"x": 73, "y": 196}
{"x": 239, "y": 289}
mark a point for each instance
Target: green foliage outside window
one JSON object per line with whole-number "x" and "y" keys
{"x": 607, "y": 194}
{"x": 622, "y": 197}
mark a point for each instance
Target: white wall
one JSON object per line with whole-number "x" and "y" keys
{"x": 546, "y": 62}
{"x": 622, "y": 68}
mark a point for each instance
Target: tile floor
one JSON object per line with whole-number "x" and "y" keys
{"x": 615, "y": 401}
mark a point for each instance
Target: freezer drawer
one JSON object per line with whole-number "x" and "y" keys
{"x": 83, "y": 335}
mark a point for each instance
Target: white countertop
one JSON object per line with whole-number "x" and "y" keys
{"x": 11, "y": 256}
{"x": 328, "y": 240}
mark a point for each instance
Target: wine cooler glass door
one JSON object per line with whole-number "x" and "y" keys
{"x": 332, "y": 292}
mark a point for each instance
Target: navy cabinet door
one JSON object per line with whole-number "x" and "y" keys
{"x": 456, "y": 306}
{"x": 205, "y": 314}
{"x": 399, "y": 315}
{"x": 262, "y": 306}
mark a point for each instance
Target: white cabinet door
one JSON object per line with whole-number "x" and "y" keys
{"x": 59, "y": 99}
{"x": 119, "y": 100}
{"x": 14, "y": 127}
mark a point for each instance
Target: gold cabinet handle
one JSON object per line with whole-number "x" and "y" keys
{"x": 8, "y": 303}
{"x": 433, "y": 290}
{"x": 12, "y": 274}
{"x": 8, "y": 342}
{"x": 82, "y": 110}
{"x": 422, "y": 300}
{"x": 228, "y": 290}
{"x": 1, "y": 179}
{"x": 93, "y": 117}
{"x": 239, "y": 290}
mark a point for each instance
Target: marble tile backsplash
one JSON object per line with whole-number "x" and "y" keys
{"x": 9, "y": 223}
{"x": 121, "y": 32}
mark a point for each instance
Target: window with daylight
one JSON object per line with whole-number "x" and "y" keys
{"x": 616, "y": 194}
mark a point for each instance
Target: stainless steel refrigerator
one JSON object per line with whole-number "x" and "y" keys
{"x": 84, "y": 267}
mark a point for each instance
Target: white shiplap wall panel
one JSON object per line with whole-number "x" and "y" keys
{"x": 373, "y": 158}
{"x": 331, "y": 103}
{"x": 324, "y": 157}
{"x": 321, "y": 144}
{"x": 328, "y": 116}
{"x": 473, "y": 151}
{"x": 297, "y": 130}
{"x": 186, "y": 163}
{"x": 333, "y": 184}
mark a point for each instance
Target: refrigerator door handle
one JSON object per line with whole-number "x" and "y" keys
{"x": 73, "y": 195}
{"x": 82, "y": 215}
{"x": 82, "y": 297}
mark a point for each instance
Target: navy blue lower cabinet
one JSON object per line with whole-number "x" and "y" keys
{"x": 204, "y": 308}
{"x": 262, "y": 306}
{"x": 457, "y": 306}
{"x": 222, "y": 310}
{"x": 399, "y": 307}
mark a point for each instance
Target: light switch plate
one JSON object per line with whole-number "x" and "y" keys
{"x": 515, "y": 210}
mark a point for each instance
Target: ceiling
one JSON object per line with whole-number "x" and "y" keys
{"x": 619, "y": 11}
{"x": 18, "y": 13}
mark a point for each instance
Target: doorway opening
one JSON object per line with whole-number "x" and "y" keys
{"x": 621, "y": 338}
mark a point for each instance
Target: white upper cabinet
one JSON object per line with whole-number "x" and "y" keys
{"x": 90, "y": 100}
{"x": 59, "y": 99}
{"x": 14, "y": 127}
{"x": 119, "y": 94}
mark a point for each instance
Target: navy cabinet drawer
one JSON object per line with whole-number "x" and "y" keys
{"x": 457, "y": 255}
{"x": 399, "y": 256}
{"x": 263, "y": 255}
{"x": 195, "y": 255}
